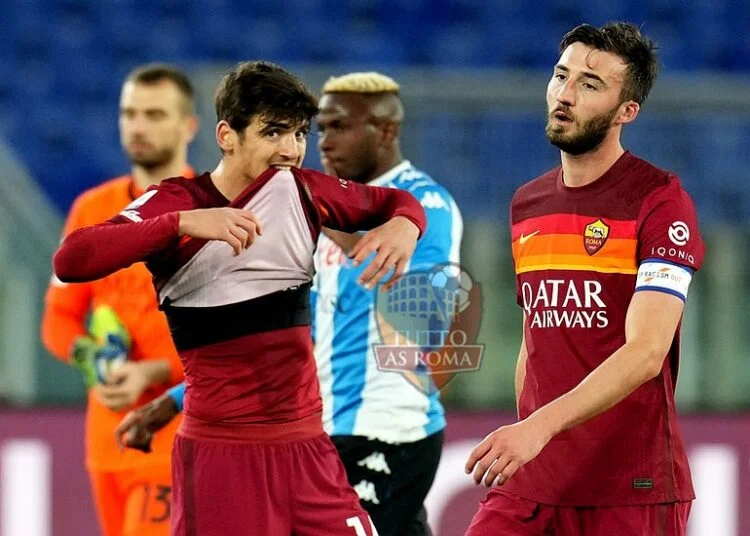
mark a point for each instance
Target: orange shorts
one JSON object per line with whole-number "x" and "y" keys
{"x": 134, "y": 502}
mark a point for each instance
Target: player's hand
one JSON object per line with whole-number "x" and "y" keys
{"x": 137, "y": 428}
{"x": 237, "y": 227}
{"x": 501, "y": 453}
{"x": 394, "y": 242}
{"x": 127, "y": 383}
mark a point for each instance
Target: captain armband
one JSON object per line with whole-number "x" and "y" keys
{"x": 664, "y": 276}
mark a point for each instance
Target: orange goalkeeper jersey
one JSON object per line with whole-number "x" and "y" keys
{"x": 131, "y": 294}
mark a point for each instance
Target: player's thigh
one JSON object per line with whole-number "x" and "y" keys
{"x": 505, "y": 514}
{"x": 109, "y": 502}
{"x": 149, "y": 502}
{"x": 229, "y": 489}
{"x": 648, "y": 520}
{"x": 324, "y": 503}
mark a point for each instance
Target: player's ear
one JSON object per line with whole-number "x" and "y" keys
{"x": 389, "y": 131}
{"x": 225, "y": 136}
{"x": 192, "y": 124}
{"x": 628, "y": 112}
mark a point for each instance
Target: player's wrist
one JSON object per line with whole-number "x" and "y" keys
{"x": 545, "y": 423}
{"x": 407, "y": 224}
{"x": 177, "y": 396}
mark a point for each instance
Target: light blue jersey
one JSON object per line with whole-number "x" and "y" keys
{"x": 359, "y": 399}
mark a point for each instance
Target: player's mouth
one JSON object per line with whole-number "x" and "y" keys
{"x": 330, "y": 162}
{"x": 562, "y": 117}
{"x": 139, "y": 146}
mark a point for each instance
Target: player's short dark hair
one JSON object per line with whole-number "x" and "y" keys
{"x": 153, "y": 73}
{"x": 261, "y": 88}
{"x": 625, "y": 40}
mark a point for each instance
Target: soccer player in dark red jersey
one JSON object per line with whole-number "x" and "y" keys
{"x": 604, "y": 247}
{"x": 231, "y": 252}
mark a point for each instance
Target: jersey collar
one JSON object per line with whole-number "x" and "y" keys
{"x": 391, "y": 174}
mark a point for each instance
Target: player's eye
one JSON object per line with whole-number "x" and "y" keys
{"x": 590, "y": 86}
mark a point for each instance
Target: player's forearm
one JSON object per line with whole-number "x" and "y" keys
{"x": 59, "y": 331}
{"x": 622, "y": 373}
{"x": 95, "y": 252}
{"x": 157, "y": 371}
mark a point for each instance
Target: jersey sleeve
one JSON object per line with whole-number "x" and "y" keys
{"x": 441, "y": 242}
{"x": 347, "y": 206}
{"x": 670, "y": 247}
{"x": 66, "y": 305}
{"x": 511, "y": 219}
{"x": 148, "y": 225}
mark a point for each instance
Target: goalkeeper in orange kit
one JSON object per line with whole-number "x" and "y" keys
{"x": 124, "y": 350}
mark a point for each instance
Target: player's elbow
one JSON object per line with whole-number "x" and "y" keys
{"x": 68, "y": 263}
{"x": 652, "y": 358}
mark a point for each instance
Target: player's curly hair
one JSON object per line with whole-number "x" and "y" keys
{"x": 370, "y": 83}
{"x": 625, "y": 40}
{"x": 261, "y": 88}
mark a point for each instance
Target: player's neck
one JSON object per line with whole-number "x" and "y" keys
{"x": 390, "y": 161}
{"x": 228, "y": 180}
{"x": 580, "y": 170}
{"x": 150, "y": 177}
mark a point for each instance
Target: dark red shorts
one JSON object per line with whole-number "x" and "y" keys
{"x": 505, "y": 514}
{"x": 264, "y": 489}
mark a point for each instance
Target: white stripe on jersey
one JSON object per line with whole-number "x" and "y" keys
{"x": 369, "y": 402}
{"x": 325, "y": 286}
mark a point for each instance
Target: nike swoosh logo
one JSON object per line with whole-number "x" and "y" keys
{"x": 525, "y": 238}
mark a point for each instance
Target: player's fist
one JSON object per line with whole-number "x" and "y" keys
{"x": 394, "y": 242}
{"x": 504, "y": 451}
{"x": 137, "y": 428}
{"x": 237, "y": 227}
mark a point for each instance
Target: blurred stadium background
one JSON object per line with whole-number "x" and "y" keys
{"x": 473, "y": 74}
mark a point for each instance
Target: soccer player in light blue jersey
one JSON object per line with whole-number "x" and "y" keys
{"x": 388, "y": 432}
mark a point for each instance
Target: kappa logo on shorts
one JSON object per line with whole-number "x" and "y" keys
{"x": 375, "y": 462}
{"x": 366, "y": 492}
{"x": 595, "y": 236}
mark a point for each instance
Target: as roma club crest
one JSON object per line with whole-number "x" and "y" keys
{"x": 595, "y": 236}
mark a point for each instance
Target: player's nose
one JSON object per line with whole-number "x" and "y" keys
{"x": 566, "y": 94}
{"x": 289, "y": 147}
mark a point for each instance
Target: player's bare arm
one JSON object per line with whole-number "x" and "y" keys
{"x": 128, "y": 382}
{"x": 394, "y": 242}
{"x": 650, "y": 325}
{"x": 346, "y": 241}
{"x": 237, "y": 227}
{"x": 521, "y": 367}
{"x": 137, "y": 428}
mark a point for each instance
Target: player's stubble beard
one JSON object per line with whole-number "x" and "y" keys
{"x": 152, "y": 159}
{"x": 590, "y": 136}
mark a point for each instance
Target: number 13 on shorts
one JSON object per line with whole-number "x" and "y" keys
{"x": 355, "y": 522}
